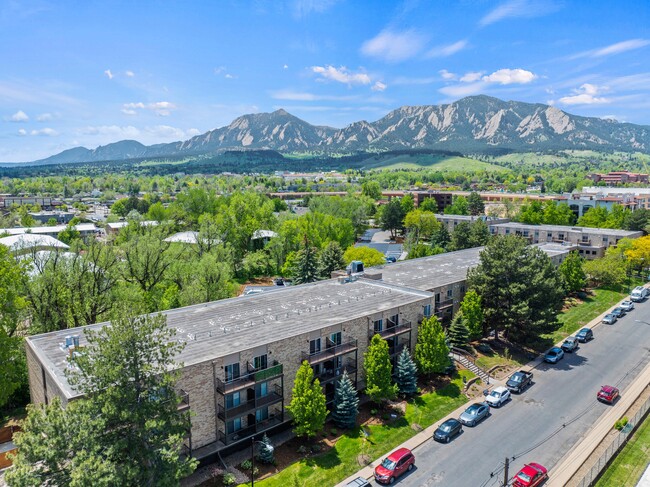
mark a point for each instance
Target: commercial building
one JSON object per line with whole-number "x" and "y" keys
{"x": 452, "y": 221}
{"x": 618, "y": 177}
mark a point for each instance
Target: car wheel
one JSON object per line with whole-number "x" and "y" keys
{"x": 411, "y": 465}
{"x": 473, "y": 423}
{"x": 448, "y": 439}
{"x": 391, "y": 480}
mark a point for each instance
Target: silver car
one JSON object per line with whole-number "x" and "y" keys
{"x": 474, "y": 414}
{"x": 627, "y": 306}
{"x": 609, "y": 319}
{"x": 570, "y": 344}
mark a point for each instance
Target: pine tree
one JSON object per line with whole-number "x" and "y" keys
{"x": 265, "y": 452}
{"x": 305, "y": 268}
{"x": 431, "y": 350}
{"x": 406, "y": 375}
{"x": 472, "y": 311}
{"x": 346, "y": 403}
{"x": 308, "y": 403}
{"x": 458, "y": 333}
{"x": 475, "y": 204}
{"x": 331, "y": 259}
{"x": 376, "y": 363}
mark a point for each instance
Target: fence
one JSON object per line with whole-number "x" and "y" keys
{"x": 615, "y": 444}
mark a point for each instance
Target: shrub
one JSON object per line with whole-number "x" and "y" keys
{"x": 228, "y": 479}
{"x": 246, "y": 464}
{"x": 316, "y": 448}
{"x": 333, "y": 431}
{"x": 620, "y": 424}
{"x": 302, "y": 449}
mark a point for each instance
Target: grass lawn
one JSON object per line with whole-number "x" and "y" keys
{"x": 341, "y": 461}
{"x": 631, "y": 462}
{"x": 486, "y": 362}
{"x": 439, "y": 163}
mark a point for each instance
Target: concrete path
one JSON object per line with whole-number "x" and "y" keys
{"x": 644, "y": 481}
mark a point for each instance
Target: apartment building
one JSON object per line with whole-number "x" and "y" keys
{"x": 618, "y": 177}
{"x": 452, "y": 221}
{"x": 591, "y": 242}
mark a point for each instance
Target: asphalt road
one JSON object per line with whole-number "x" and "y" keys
{"x": 530, "y": 426}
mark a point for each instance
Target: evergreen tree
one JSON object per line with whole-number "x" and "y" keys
{"x": 440, "y": 237}
{"x": 379, "y": 371}
{"x": 392, "y": 216}
{"x": 331, "y": 259}
{"x": 462, "y": 237}
{"x": 475, "y": 204}
{"x": 479, "y": 234}
{"x": 308, "y": 403}
{"x": 458, "y": 333}
{"x": 406, "y": 375}
{"x": 346, "y": 403}
{"x": 265, "y": 452}
{"x": 521, "y": 290}
{"x": 305, "y": 267}
{"x": 472, "y": 311}
{"x": 573, "y": 273}
{"x": 431, "y": 350}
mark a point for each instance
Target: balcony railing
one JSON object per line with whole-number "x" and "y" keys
{"x": 332, "y": 351}
{"x": 259, "y": 427}
{"x": 184, "y": 403}
{"x": 251, "y": 405}
{"x": 397, "y": 349}
{"x": 392, "y": 331}
{"x": 327, "y": 375}
{"x": 249, "y": 379}
{"x": 447, "y": 303}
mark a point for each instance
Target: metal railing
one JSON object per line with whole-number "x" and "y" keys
{"x": 347, "y": 346}
{"x": 392, "y": 331}
{"x": 444, "y": 304}
{"x": 184, "y": 402}
{"x": 235, "y": 411}
{"x": 327, "y": 375}
{"x": 243, "y": 433}
{"x": 249, "y": 379}
{"x": 615, "y": 444}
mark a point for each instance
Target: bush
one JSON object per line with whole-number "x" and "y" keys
{"x": 316, "y": 448}
{"x": 228, "y": 479}
{"x": 620, "y": 424}
{"x": 302, "y": 449}
{"x": 333, "y": 431}
{"x": 373, "y": 412}
{"x": 246, "y": 465}
{"x": 484, "y": 348}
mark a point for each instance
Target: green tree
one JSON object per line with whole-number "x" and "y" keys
{"x": 521, "y": 290}
{"x": 265, "y": 452}
{"x": 472, "y": 311}
{"x": 594, "y": 217}
{"x": 379, "y": 371}
{"x": 609, "y": 271}
{"x": 459, "y": 206}
{"x": 331, "y": 259}
{"x": 458, "y": 333}
{"x": 479, "y": 233}
{"x": 475, "y": 204}
{"x": 408, "y": 203}
{"x": 406, "y": 374}
{"x": 126, "y": 430}
{"x": 420, "y": 224}
{"x": 431, "y": 350}
{"x": 637, "y": 220}
{"x": 69, "y": 234}
{"x": 429, "y": 204}
{"x": 306, "y": 264}
{"x": 392, "y": 217}
{"x": 462, "y": 237}
{"x": 369, "y": 256}
{"x": 308, "y": 403}
{"x": 423, "y": 250}
{"x": 573, "y": 273}
{"x": 371, "y": 189}
{"x": 440, "y": 237}
{"x": 346, "y": 403}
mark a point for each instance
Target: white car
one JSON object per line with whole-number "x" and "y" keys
{"x": 627, "y": 306}
{"x": 498, "y": 397}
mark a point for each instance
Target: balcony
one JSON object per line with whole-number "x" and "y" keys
{"x": 249, "y": 379}
{"x": 184, "y": 404}
{"x": 259, "y": 427}
{"x": 586, "y": 243}
{"x": 391, "y": 331}
{"x": 251, "y": 405}
{"x": 330, "y": 351}
{"x": 447, "y": 303}
{"x": 395, "y": 350}
{"x": 327, "y": 375}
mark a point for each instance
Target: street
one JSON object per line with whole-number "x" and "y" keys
{"x": 544, "y": 422}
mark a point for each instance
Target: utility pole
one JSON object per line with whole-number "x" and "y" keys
{"x": 505, "y": 473}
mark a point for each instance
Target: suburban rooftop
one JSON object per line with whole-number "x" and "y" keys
{"x": 566, "y": 229}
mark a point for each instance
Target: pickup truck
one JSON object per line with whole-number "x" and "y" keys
{"x": 519, "y": 381}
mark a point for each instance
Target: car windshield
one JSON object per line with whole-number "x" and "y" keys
{"x": 523, "y": 476}
{"x": 552, "y": 353}
{"x": 567, "y": 342}
{"x": 473, "y": 410}
{"x": 516, "y": 378}
{"x": 388, "y": 464}
{"x": 495, "y": 394}
{"x": 445, "y": 427}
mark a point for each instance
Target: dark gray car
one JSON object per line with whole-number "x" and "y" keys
{"x": 584, "y": 335}
{"x": 474, "y": 414}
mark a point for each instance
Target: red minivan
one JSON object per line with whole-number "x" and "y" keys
{"x": 394, "y": 465}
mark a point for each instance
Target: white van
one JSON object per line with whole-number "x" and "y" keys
{"x": 639, "y": 294}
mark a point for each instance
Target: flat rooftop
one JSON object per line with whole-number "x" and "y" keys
{"x": 552, "y": 249}
{"x": 566, "y": 229}
{"x": 219, "y": 328}
{"x": 426, "y": 273}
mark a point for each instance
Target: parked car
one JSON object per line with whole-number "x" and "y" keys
{"x": 554, "y": 355}
{"x": 584, "y": 335}
{"x": 447, "y": 430}
{"x": 498, "y": 397}
{"x": 474, "y": 414}
{"x": 390, "y": 259}
{"x": 397, "y": 463}
{"x": 358, "y": 482}
{"x": 519, "y": 381}
{"x": 609, "y": 319}
{"x": 608, "y": 394}
{"x": 638, "y": 294}
{"x": 627, "y": 306}
{"x": 532, "y": 475}
{"x": 619, "y": 312}
{"x": 570, "y": 344}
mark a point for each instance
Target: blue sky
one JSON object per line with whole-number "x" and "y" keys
{"x": 94, "y": 72}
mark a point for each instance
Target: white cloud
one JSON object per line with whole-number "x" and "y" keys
{"x": 379, "y": 86}
{"x": 586, "y": 95}
{"x": 472, "y": 76}
{"x": 223, "y": 71}
{"x": 510, "y": 76}
{"x": 48, "y": 132}
{"x": 285, "y": 66}
{"x": 108, "y": 74}
{"x": 394, "y": 46}
{"x": 161, "y": 108}
{"x": 447, "y": 50}
{"x": 229, "y": 76}
{"x": 19, "y": 116}
{"x": 22, "y": 132}
{"x": 447, "y": 75}
{"x": 519, "y": 9}
{"x": 302, "y": 8}
{"x": 45, "y": 117}
{"x": 341, "y": 75}
{"x": 463, "y": 90}
{"x": 129, "y": 74}
{"x": 617, "y": 48}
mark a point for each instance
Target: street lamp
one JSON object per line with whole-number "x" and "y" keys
{"x": 253, "y": 441}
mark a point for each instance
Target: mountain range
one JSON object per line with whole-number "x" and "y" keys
{"x": 473, "y": 124}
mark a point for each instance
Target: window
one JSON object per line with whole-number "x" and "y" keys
{"x": 560, "y": 236}
{"x": 462, "y": 288}
{"x": 507, "y": 231}
{"x": 394, "y": 320}
{"x": 262, "y": 414}
{"x": 378, "y": 325}
{"x": 233, "y": 400}
{"x": 426, "y": 310}
{"x": 314, "y": 346}
{"x": 335, "y": 338}
{"x": 585, "y": 238}
{"x": 260, "y": 362}
{"x": 450, "y": 293}
{"x": 262, "y": 389}
{"x": 549, "y": 236}
{"x": 605, "y": 240}
{"x": 437, "y": 297}
{"x": 232, "y": 372}
{"x": 234, "y": 425}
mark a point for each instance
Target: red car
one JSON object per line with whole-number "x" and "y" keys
{"x": 532, "y": 475}
{"x": 394, "y": 465}
{"x": 607, "y": 394}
